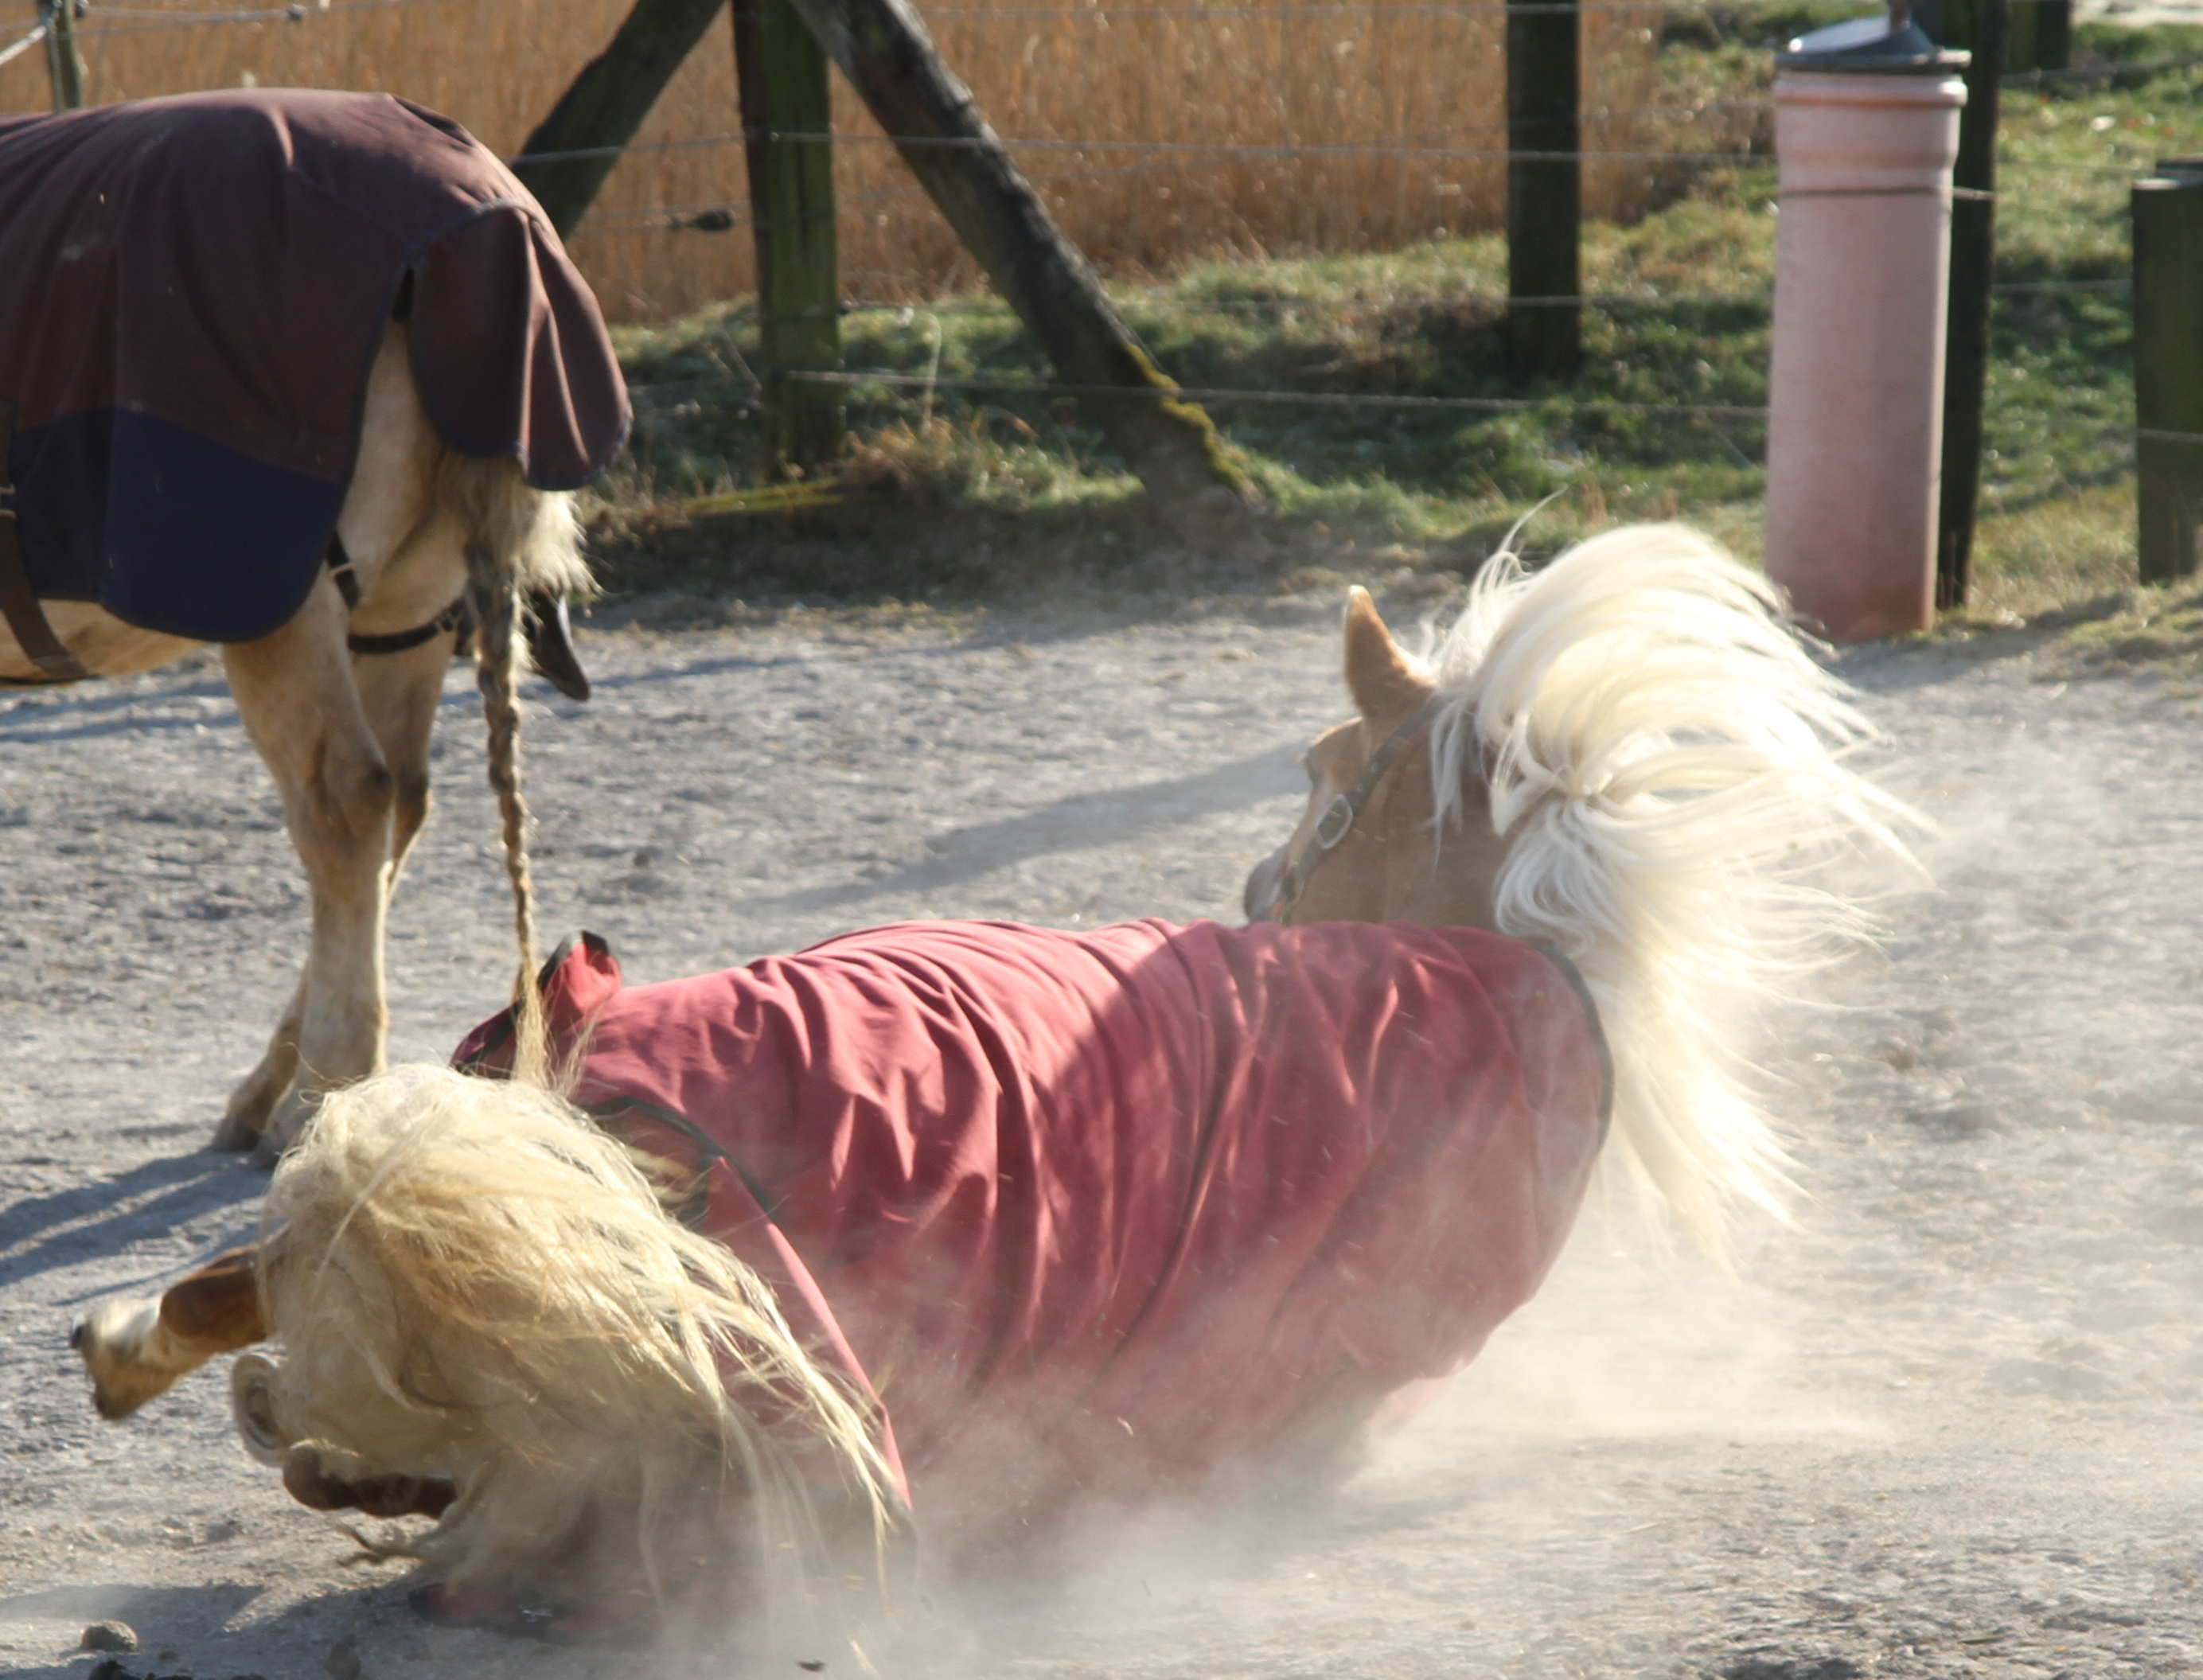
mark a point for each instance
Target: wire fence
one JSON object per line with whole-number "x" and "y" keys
{"x": 1149, "y": 158}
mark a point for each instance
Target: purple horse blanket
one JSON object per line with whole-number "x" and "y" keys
{"x": 193, "y": 290}
{"x": 1108, "y": 1218}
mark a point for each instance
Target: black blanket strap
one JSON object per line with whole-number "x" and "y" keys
{"x": 26, "y": 619}
{"x": 338, "y": 561}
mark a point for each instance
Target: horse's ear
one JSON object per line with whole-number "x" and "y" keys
{"x": 1379, "y": 677}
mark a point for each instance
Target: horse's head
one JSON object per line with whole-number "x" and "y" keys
{"x": 1635, "y": 765}
{"x": 1370, "y": 846}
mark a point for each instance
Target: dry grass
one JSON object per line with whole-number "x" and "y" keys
{"x": 1266, "y": 75}
{"x": 2078, "y": 547}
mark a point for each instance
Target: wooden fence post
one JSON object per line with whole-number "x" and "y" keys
{"x": 1544, "y": 193}
{"x": 781, "y": 72}
{"x": 600, "y": 112}
{"x": 63, "y": 64}
{"x": 1982, "y": 27}
{"x": 2168, "y": 358}
{"x": 2041, "y": 35}
{"x": 1169, "y": 444}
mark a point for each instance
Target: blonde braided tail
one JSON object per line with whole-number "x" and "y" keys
{"x": 494, "y": 595}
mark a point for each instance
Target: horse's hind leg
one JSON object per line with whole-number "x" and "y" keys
{"x": 297, "y": 700}
{"x": 136, "y": 1350}
{"x": 400, "y": 693}
{"x": 257, "y": 1094}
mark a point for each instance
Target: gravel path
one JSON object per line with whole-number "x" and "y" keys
{"x": 1945, "y": 1424}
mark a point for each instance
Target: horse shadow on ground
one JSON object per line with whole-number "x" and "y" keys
{"x": 124, "y": 1601}
{"x": 1114, "y": 817}
{"x": 85, "y": 1221}
{"x": 192, "y": 1630}
{"x": 156, "y": 1610}
{"x": 86, "y": 714}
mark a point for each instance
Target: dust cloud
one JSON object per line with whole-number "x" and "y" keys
{"x": 1945, "y": 1423}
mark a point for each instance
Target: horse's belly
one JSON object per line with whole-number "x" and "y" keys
{"x": 102, "y": 643}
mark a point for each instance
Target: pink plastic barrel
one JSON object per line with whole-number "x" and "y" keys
{"x": 1855, "y": 422}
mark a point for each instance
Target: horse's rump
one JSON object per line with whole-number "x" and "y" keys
{"x": 1112, "y": 1216}
{"x": 192, "y": 292}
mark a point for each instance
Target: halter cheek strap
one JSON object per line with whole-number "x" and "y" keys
{"x": 1339, "y": 816}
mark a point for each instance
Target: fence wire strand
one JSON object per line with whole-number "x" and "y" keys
{"x": 133, "y": 20}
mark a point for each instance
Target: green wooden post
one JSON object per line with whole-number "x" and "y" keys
{"x": 788, "y": 122}
{"x": 1544, "y": 193}
{"x": 2053, "y": 34}
{"x": 1982, "y": 27}
{"x": 64, "y": 65}
{"x": 2168, "y": 355}
{"x": 2041, "y": 35}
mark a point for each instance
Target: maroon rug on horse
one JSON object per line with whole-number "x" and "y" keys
{"x": 192, "y": 294}
{"x": 1106, "y": 1217}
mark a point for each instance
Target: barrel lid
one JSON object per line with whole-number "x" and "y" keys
{"x": 1869, "y": 46}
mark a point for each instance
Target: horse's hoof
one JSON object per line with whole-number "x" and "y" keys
{"x": 233, "y": 1136}
{"x": 253, "y": 1408}
{"x": 111, "y": 1339}
{"x": 267, "y": 1151}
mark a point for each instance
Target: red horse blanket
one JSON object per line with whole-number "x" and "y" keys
{"x": 192, "y": 292}
{"x": 1105, "y": 1217}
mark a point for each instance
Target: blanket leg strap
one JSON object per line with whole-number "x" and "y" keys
{"x": 26, "y": 619}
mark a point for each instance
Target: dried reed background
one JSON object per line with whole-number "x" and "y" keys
{"x": 1393, "y": 76}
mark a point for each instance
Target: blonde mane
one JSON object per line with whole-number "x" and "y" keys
{"x": 1665, "y": 757}
{"x": 471, "y": 1264}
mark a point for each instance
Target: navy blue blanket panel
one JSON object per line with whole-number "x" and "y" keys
{"x": 166, "y": 529}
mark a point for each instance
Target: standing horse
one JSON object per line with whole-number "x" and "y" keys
{"x": 305, "y": 374}
{"x": 981, "y": 1226}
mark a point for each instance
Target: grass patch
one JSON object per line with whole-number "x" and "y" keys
{"x": 2158, "y": 629}
{"x": 958, "y": 489}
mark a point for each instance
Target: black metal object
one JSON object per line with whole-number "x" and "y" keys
{"x": 1545, "y": 187}
{"x": 1982, "y": 27}
{"x": 2168, "y": 352}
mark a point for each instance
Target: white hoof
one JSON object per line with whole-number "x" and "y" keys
{"x": 115, "y": 1341}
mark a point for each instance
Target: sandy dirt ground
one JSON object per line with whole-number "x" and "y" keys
{"x": 1945, "y": 1424}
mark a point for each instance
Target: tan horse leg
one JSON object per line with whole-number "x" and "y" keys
{"x": 399, "y": 693}
{"x": 257, "y": 1094}
{"x": 137, "y": 1350}
{"x": 385, "y": 517}
{"x": 296, "y": 697}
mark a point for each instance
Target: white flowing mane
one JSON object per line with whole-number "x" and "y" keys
{"x": 1667, "y": 757}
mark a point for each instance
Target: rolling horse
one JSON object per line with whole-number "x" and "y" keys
{"x": 986, "y": 1232}
{"x": 307, "y": 374}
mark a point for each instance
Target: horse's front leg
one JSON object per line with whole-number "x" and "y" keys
{"x": 296, "y": 697}
{"x": 136, "y": 1350}
{"x": 257, "y": 1094}
{"x": 399, "y": 693}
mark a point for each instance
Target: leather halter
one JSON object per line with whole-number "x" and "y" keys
{"x": 1339, "y": 816}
